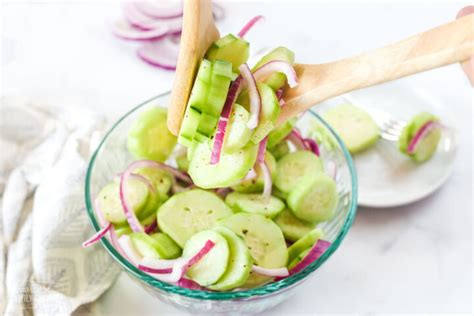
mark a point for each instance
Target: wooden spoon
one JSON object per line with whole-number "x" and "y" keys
{"x": 446, "y": 44}
{"x": 199, "y": 32}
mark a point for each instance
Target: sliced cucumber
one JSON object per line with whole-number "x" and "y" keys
{"x": 166, "y": 247}
{"x": 238, "y": 134}
{"x": 182, "y": 162}
{"x": 314, "y": 198}
{"x": 255, "y": 203}
{"x": 229, "y": 48}
{"x": 151, "y": 206}
{"x": 262, "y": 236}
{"x": 276, "y": 80}
{"x": 278, "y": 134}
{"x": 268, "y": 113}
{"x": 292, "y": 227}
{"x": 307, "y": 241}
{"x": 256, "y": 184}
{"x": 294, "y": 166}
{"x": 213, "y": 265}
{"x": 149, "y": 127}
{"x": 189, "y": 127}
{"x": 187, "y": 213}
{"x": 298, "y": 258}
{"x": 208, "y": 124}
{"x": 155, "y": 246}
{"x": 356, "y": 127}
{"x": 123, "y": 229}
{"x": 160, "y": 179}
{"x": 231, "y": 167}
{"x": 280, "y": 150}
{"x": 427, "y": 146}
{"x": 219, "y": 86}
{"x": 109, "y": 200}
{"x": 279, "y": 194}
{"x": 240, "y": 262}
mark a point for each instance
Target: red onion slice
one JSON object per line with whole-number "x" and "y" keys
{"x": 190, "y": 284}
{"x": 278, "y": 272}
{"x": 255, "y": 101}
{"x": 262, "y": 148}
{"x": 296, "y": 139}
{"x": 115, "y": 243}
{"x": 311, "y": 144}
{"x": 234, "y": 91}
{"x": 222, "y": 192}
{"x": 218, "y": 11}
{"x": 277, "y": 66}
{"x": 137, "y": 18}
{"x": 97, "y": 236}
{"x": 250, "y": 175}
{"x": 250, "y": 24}
{"x": 267, "y": 180}
{"x": 279, "y": 94}
{"x": 125, "y": 31}
{"x": 162, "y": 54}
{"x": 161, "y": 9}
{"x": 100, "y": 216}
{"x": 151, "y": 228}
{"x": 427, "y": 128}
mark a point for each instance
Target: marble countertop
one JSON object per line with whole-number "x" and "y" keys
{"x": 416, "y": 258}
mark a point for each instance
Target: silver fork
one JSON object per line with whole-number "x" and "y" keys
{"x": 391, "y": 129}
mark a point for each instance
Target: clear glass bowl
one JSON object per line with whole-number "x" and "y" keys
{"x": 111, "y": 157}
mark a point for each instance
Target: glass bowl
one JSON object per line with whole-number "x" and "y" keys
{"x": 112, "y": 157}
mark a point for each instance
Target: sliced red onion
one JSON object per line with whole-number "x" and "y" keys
{"x": 267, "y": 180}
{"x": 279, "y": 94}
{"x": 262, "y": 148}
{"x": 295, "y": 138}
{"x": 278, "y": 272}
{"x": 311, "y": 143}
{"x": 162, "y": 9}
{"x": 127, "y": 208}
{"x": 190, "y": 284}
{"x": 158, "y": 165}
{"x": 154, "y": 270}
{"x": 427, "y": 128}
{"x": 151, "y": 228}
{"x": 136, "y": 18}
{"x": 250, "y": 24}
{"x": 115, "y": 243}
{"x": 159, "y": 264}
{"x": 255, "y": 101}
{"x": 97, "y": 236}
{"x": 162, "y": 54}
{"x": 218, "y": 11}
{"x": 223, "y": 192}
{"x": 100, "y": 216}
{"x": 131, "y": 254}
{"x": 250, "y": 175}
{"x": 277, "y": 66}
{"x": 234, "y": 91}
{"x": 144, "y": 180}
{"x": 126, "y": 31}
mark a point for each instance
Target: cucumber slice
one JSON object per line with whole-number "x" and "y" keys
{"x": 187, "y": 213}
{"x": 167, "y": 248}
{"x": 213, "y": 265}
{"x": 207, "y": 124}
{"x": 189, "y": 127}
{"x": 218, "y": 88}
{"x": 262, "y": 236}
{"x": 307, "y": 241}
{"x": 200, "y": 89}
{"x": 182, "y": 162}
{"x": 109, "y": 200}
{"x": 355, "y": 126}
{"x": 255, "y": 203}
{"x": 151, "y": 206}
{"x": 279, "y": 194}
{"x": 292, "y": 227}
{"x": 240, "y": 262}
{"x": 427, "y": 147}
{"x": 268, "y": 114}
{"x": 314, "y": 198}
{"x": 294, "y": 166}
{"x": 238, "y": 134}
{"x": 142, "y": 137}
{"x": 280, "y": 133}
{"x": 298, "y": 258}
{"x": 123, "y": 229}
{"x": 229, "y": 48}
{"x": 277, "y": 80}
{"x": 160, "y": 179}
{"x": 256, "y": 184}
{"x": 160, "y": 247}
{"x": 231, "y": 167}
{"x": 280, "y": 150}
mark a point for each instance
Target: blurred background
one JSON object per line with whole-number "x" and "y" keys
{"x": 416, "y": 258}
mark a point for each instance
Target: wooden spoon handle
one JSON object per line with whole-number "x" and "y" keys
{"x": 446, "y": 44}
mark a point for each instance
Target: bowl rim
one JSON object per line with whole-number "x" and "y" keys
{"x": 267, "y": 289}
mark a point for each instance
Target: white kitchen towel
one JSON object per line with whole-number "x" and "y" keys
{"x": 44, "y": 151}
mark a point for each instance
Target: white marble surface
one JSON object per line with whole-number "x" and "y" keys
{"x": 416, "y": 258}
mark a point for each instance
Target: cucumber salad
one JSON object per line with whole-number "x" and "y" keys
{"x": 234, "y": 201}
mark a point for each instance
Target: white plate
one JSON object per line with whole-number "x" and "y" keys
{"x": 388, "y": 178}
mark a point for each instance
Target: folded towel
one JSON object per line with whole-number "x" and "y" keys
{"x": 44, "y": 154}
